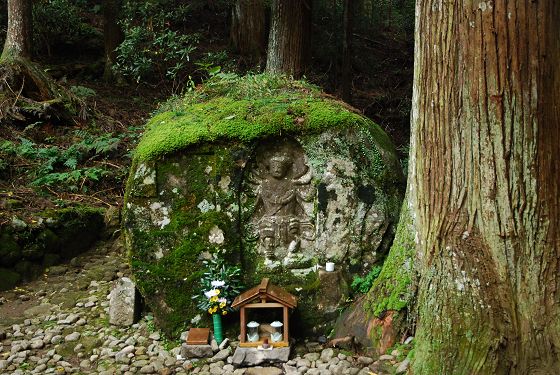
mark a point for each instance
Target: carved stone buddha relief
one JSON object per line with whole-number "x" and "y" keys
{"x": 279, "y": 179}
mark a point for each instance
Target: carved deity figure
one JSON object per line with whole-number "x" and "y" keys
{"x": 283, "y": 187}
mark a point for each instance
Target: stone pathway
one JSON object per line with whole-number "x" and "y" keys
{"x": 60, "y": 325}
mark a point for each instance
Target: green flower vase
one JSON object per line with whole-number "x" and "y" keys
{"x": 218, "y": 332}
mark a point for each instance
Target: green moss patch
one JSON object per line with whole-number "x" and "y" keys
{"x": 392, "y": 289}
{"x": 246, "y": 109}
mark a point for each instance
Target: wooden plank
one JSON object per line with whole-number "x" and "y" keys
{"x": 279, "y": 344}
{"x": 263, "y": 286}
{"x": 286, "y": 325}
{"x": 243, "y": 321}
{"x": 261, "y": 305}
{"x": 198, "y": 336}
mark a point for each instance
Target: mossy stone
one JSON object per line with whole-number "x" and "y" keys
{"x": 28, "y": 270}
{"x": 10, "y": 251}
{"x": 193, "y": 191}
{"x": 76, "y": 228}
{"x": 8, "y": 278}
{"x": 50, "y": 259}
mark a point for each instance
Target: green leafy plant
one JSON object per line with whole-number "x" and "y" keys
{"x": 54, "y": 165}
{"x": 153, "y": 50}
{"x": 82, "y": 92}
{"x": 219, "y": 285}
{"x": 363, "y": 284}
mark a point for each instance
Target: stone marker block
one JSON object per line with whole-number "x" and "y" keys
{"x": 123, "y": 301}
{"x": 253, "y": 357}
{"x": 196, "y": 351}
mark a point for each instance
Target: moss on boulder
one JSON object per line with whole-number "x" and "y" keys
{"x": 202, "y": 183}
{"x": 393, "y": 289}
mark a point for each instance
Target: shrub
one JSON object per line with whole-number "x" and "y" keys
{"x": 154, "y": 48}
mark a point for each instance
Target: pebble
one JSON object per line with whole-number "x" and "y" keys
{"x": 74, "y": 336}
{"x": 403, "y": 366}
{"x": 386, "y": 357}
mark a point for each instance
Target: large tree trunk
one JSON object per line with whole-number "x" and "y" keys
{"x": 289, "y": 40}
{"x": 19, "y": 35}
{"x": 484, "y": 186}
{"x": 113, "y": 35}
{"x": 248, "y": 29}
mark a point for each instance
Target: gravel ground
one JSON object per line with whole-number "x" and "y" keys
{"x": 60, "y": 325}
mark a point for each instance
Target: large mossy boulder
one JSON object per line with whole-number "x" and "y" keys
{"x": 272, "y": 174}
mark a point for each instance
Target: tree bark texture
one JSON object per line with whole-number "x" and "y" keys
{"x": 248, "y": 29}
{"x": 112, "y": 34}
{"x": 289, "y": 49}
{"x": 484, "y": 187}
{"x": 19, "y": 35}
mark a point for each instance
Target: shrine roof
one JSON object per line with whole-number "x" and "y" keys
{"x": 268, "y": 291}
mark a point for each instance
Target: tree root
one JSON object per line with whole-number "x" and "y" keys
{"x": 27, "y": 95}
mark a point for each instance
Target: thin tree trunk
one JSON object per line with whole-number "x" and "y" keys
{"x": 289, "y": 39}
{"x": 348, "y": 26}
{"x": 484, "y": 186}
{"x": 19, "y": 35}
{"x": 113, "y": 35}
{"x": 248, "y": 29}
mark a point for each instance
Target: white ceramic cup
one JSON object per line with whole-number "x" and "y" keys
{"x": 329, "y": 267}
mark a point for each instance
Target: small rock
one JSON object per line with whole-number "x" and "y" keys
{"x": 224, "y": 344}
{"x": 327, "y": 354}
{"x": 303, "y": 362}
{"x": 386, "y": 357}
{"x": 148, "y": 369}
{"x": 263, "y": 371}
{"x": 290, "y": 370}
{"x": 229, "y": 368}
{"x": 121, "y": 357}
{"x": 403, "y": 366}
{"x": 37, "y": 344}
{"x": 58, "y": 270}
{"x": 221, "y": 355}
{"x": 74, "y": 336}
{"x": 214, "y": 345}
{"x": 365, "y": 360}
{"x": 312, "y": 356}
{"x": 122, "y": 303}
{"x": 196, "y": 351}
{"x": 57, "y": 339}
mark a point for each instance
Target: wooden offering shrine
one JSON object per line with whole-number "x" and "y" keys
{"x": 267, "y": 296}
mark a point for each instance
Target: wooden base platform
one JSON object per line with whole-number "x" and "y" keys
{"x": 279, "y": 344}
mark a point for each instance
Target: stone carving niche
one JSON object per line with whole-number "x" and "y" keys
{"x": 280, "y": 181}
